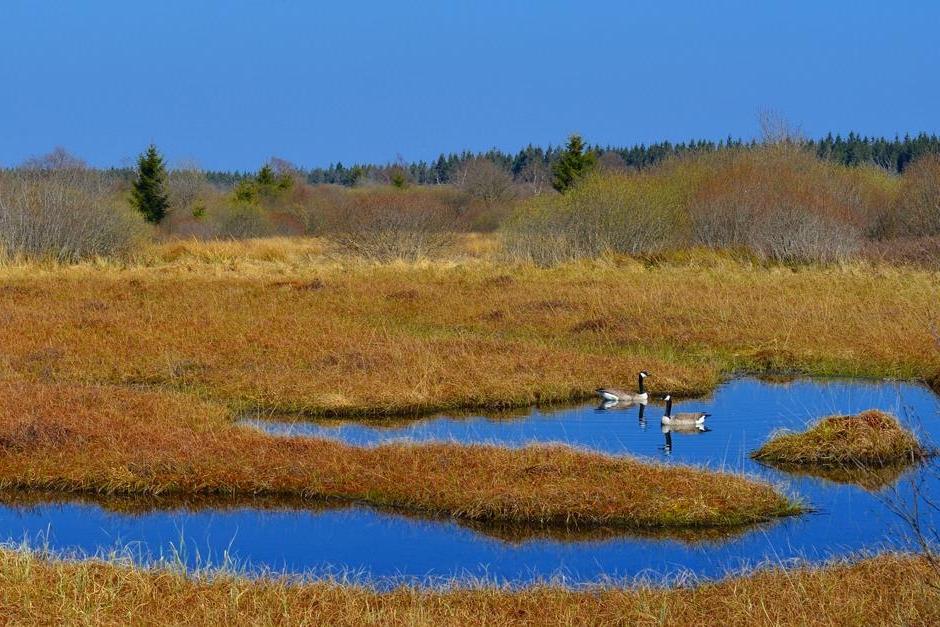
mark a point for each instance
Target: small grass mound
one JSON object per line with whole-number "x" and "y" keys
{"x": 872, "y": 438}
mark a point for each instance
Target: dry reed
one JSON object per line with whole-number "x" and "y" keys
{"x": 889, "y": 589}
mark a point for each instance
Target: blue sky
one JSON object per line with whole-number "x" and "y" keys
{"x": 231, "y": 83}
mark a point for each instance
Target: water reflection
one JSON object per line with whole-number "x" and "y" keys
{"x": 668, "y": 430}
{"x": 870, "y": 478}
{"x": 51, "y": 504}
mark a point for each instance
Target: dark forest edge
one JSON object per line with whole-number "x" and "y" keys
{"x": 891, "y": 154}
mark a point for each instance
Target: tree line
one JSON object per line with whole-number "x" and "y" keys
{"x": 891, "y": 154}
{"x": 534, "y": 162}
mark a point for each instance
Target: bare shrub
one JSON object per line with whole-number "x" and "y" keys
{"x": 189, "y": 189}
{"x": 65, "y": 213}
{"x": 610, "y": 161}
{"x": 776, "y": 129}
{"x": 780, "y": 202}
{"x": 921, "y": 252}
{"x": 918, "y": 206}
{"x": 484, "y": 181}
{"x": 387, "y": 224}
{"x": 240, "y": 220}
{"x": 618, "y": 213}
{"x": 796, "y": 235}
{"x": 536, "y": 178}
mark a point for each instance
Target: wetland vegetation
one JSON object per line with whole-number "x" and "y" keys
{"x": 888, "y": 589}
{"x": 128, "y": 358}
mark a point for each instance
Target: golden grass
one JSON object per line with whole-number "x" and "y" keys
{"x": 274, "y": 324}
{"x": 872, "y": 438}
{"x": 114, "y": 440}
{"x": 889, "y": 589}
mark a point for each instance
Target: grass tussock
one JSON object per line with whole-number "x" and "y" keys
{"x": 872, "y": 438}
{"x": 242, "y": 323}
{"x": 889, "y": 589}
{"x": 110, "y": 440}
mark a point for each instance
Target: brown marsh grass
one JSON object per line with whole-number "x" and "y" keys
{"x": 889, "y": 589}
{"x": 120, "y": 441}
{"x": 872, "y": 438}
{"x": 283, "y": 325}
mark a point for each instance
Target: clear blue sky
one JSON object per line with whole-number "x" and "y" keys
{"x": 230, "y": 83}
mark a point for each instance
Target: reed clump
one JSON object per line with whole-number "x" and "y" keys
{"x": 871, "y": 438}
{"x": 888, "y": 589}
{"x": 121, "y": 441}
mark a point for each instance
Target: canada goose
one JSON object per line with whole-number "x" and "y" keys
{"x": 693, "y": 419}
{"x": 622, "y": 396}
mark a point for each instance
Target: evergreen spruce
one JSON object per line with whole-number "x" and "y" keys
{"x": 573, "y": 163}
{"x": 149, "y": 194}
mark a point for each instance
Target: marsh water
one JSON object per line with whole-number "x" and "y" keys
{"x": 380, "y": 546}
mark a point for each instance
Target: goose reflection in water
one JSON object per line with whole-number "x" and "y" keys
{"x": 620, "y": 405}
{"x": 685, "y": 430}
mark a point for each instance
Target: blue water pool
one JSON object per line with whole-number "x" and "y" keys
{"x": 378, "y": 545}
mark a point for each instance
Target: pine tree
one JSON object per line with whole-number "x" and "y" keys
{"x": 149, "y": 194}
{"x": 573, "y": 163}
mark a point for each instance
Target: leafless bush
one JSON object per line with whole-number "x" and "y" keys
{"x": 776, "y": 129}
{"x": 606, "y": 213}
{"x": 918, "y": 209}
{"x": 484, "y": 181}
{"x": 536, "y": 178}
{"x": 784, "y": 233}
{"x": 65, "y": 213}
{"x": 189, "y": 189}
{"x": 392, "y": 224}
{"x": 610, "y": 161}
{"x": 240, "y": 220}
{"x": 921, "y": 252}
{"x": 916, "y": 504}
{"x": 779, "y": 202}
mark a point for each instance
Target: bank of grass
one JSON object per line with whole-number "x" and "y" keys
{"x": 120, "y": 441}
{"x": 289, "y": 325}
{"x": 870, "y": 439}
{"x": 889, "y": 589}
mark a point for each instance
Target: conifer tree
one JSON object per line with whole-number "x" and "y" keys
{"x": 149, "y": 194}
{"x": 573, "y": 163}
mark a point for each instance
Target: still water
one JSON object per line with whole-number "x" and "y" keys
{"x": 375, "y": 545}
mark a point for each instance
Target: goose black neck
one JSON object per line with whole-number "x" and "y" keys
{"x": 641, "y": 383}
{"x": 669, "y": 406}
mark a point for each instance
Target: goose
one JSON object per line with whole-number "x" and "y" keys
{"x": 622, "y": 396}
{"x": 693, "y": 419}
